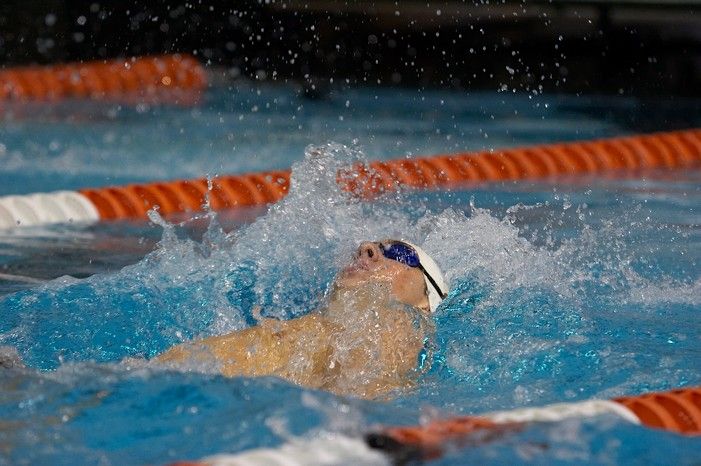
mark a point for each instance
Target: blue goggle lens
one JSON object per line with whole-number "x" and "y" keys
{"x": 401, "y": 253}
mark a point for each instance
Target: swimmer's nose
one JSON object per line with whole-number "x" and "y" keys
{"x": 369, "y": 251}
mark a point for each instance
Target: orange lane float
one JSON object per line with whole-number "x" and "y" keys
{"x": 134, "y": 201}
{"x": 117, "y": 79}
{"x": 677, "y": 411}
{"x": 623, "y": 155}
{"x": 669, "y": 150}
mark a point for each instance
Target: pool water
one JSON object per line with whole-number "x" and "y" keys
{"x": 562, "y": 290}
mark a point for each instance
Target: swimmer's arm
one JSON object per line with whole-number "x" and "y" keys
{"x": 264, "y": 333}
{"x": 215, "y": 346}
{"x": 178, "y": 353}
{"x": 185, "y": 351}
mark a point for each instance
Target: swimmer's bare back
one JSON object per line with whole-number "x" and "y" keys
{"x": 367, "y": 357}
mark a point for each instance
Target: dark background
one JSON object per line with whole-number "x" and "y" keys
{"x": 613, "y": 47}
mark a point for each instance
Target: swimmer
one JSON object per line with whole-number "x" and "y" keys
{"x": 372, "y": 337}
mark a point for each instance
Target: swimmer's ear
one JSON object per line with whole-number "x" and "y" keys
{"x": 425, "y": 305}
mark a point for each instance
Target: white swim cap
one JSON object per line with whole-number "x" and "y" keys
{"x": 436, "y": 286}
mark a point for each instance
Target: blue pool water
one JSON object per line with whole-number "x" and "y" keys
{"x": 562, "y": 290}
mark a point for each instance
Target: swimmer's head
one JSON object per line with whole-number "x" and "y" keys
{"x": 414, "y": 277}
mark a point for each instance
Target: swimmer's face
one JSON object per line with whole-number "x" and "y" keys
{"x": 369, "y": 266}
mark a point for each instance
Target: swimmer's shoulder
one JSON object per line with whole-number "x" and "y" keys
{"x": 313, "y": 323}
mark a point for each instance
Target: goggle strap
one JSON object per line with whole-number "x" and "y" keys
{"x": 432, "y": 281}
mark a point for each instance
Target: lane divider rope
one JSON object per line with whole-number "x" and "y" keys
{"x": 675, "y": 411}
{"x": 667, "y": 150}
{"x": 102, "y": 80}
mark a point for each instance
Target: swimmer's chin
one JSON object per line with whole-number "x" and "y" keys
{"x": 351, "y": 275}
{"x": 353, "y": 278}
{"x": 353, "y": 269}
